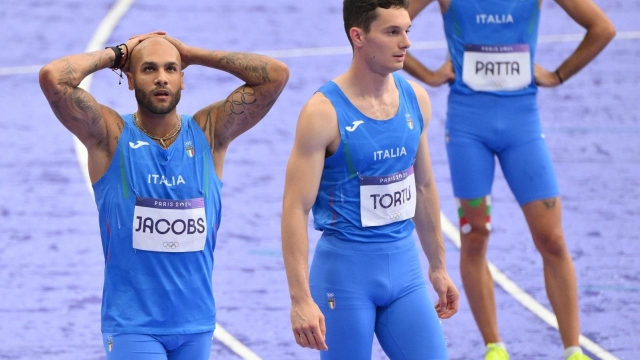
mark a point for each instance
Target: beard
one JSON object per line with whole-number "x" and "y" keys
{"x": 146, "y": 101}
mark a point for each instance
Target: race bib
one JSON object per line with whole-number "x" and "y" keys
{"x": 496, "y": 67}
{"x": 169, "y": 225}
{"x": 387, "y": 199}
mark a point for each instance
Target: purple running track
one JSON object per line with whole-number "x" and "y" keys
{"x": 51, "y": 264}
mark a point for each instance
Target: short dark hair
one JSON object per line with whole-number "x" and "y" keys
{"x": 361, "y": 13}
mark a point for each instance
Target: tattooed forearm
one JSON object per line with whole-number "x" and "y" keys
{"x": 549, "y": 203}
{"x": 70, "y": 74}
{"x": 248, "y": 67}
{"x": 67, "y": 78}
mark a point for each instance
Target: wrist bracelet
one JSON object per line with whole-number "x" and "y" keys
{"x": 125, "y": 56}
{"x": 559, "y": 77}
{"x": 118, "y": 59}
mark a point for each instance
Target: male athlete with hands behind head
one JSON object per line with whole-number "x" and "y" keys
{"x": 156, "y": 176}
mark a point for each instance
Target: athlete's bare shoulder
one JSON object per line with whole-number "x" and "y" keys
{"x": 423, "y": 101}
{"x": 318, "y": 122}
{"x": 318, "y": 108}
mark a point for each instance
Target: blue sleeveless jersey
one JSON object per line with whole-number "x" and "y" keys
{"x": 490, "y": 22}
{"x": 155, "y": 292}
{"x": 368, "y": 147}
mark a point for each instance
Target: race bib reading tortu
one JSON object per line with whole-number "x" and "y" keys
{"x": 387, "y": 199}
{"x": 496, "y": 67}
{"x": 169, "y": 225}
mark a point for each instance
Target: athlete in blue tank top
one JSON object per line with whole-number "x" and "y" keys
{"x": 157, "y": 178}
{"x": 361, "y": 163}
{"x": 492, "y": 112}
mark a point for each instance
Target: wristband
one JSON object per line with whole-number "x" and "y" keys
{"x": 559, "y": 77}
{"x": 125, "y": 56}
{"x": 118, "y": 59}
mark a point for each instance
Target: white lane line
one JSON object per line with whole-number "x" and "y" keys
{"x": 232, "y": 343}
{"x": 521, "y": 296}
{"x": 100, "y": 37}
{"x": 342, "y": 50}
{"x": 428, "y": 45}
{"x": 20, "y": 70}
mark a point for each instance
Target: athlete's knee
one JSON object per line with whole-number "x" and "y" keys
{"x": 551, "y": 244}
{"x": 475, "y": 216}
{"x": 475, "y": 243}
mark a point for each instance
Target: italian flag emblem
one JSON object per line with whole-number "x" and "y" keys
{"x": 331, "y": 301}
{"x": 190, "y": 151}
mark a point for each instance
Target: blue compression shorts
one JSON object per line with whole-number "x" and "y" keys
{"x": 367, "y": 288}
{"x": 157, "y": 347}
{"x": 481, "y": 126}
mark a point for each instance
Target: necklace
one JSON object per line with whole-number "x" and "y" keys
{"x": 160, "y": 139}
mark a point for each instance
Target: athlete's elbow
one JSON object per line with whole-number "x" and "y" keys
{"x": 609, "y": 31}
{"x": 46, "y": 77}
{"x": 279, "y": 74}
{"x": 605, "y": 31}
{"x": 49, "y": 80}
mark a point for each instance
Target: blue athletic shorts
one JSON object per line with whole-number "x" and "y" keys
{"x": 483, "y": 126}
{"x": 367, "y": 288}
{"x": 157, "y": 347}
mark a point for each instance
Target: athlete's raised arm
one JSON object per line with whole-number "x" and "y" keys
{"x": 96, "y": 126}
{"x": 264, "y": 78}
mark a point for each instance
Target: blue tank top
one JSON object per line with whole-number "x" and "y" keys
{"x": 163, "y": 291}
{"x": 494, "y": 25}
{"x": 368, "y": 147}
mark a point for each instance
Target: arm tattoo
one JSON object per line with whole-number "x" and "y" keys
{"x": 549, "y": 203}
{"x": 208, "y": 128}
{"x": 67, "y": 77}
{"x": 74, "y": 106}
{"x": 237, "y": 112}
{"x": 251, "y": 65}
{"x": 119, "y": 131}
{"x": 236, "y": 103}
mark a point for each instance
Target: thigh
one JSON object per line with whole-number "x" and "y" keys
{"x": 472, "y": 132}
{"x": 524, "y": 157}
{"x": 409, "y": 328}
{"x": 133, "y": 346}
{"x": 471, "y": 164}
{"x": 349, "y": 322}
{"x": 339, "y": 288}
{"x": 528, "y": 169}
{"x": 192, "y": 347}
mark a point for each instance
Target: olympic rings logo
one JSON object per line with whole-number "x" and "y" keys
{"x": 395, "y": 216}
{"x": 171, "y": 244}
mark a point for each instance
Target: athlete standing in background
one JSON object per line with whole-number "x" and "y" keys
{"x": 493, "y": 112}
